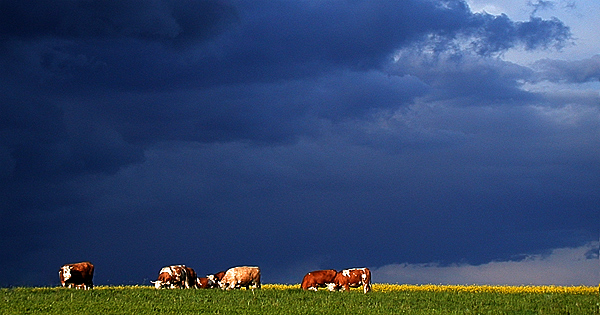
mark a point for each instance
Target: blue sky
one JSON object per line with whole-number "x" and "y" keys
{"x": 431, "y": 141}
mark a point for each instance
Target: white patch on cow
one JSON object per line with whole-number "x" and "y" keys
{"x": 347, "y": 271}
{"x": 331, "y": 286}
{"x": 66, "y": 272}
{"x": 167, "y": 270}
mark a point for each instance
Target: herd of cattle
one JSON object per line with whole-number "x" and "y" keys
{"x": 80, "y": 275}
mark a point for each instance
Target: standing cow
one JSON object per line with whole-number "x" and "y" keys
{"x": 191, "y": 278}
{"x": 175, "y": 276}
{"x": 78, "y": 275}
{"x": 318, "y": 279}
{"x": 352, "y": 278}
{"x": 238, "y": 277}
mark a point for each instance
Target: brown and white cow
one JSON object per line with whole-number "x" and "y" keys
{"x": 352, "y": 278}
{"x": 238, "y": 277}
{"x": 77, "y": 275}
{"x": 215, "y": 280}
{"x": 204, "y": 283}
{"x": 318, "y": 279}
{"x": 175, "y": 276}
{"x": 191, "y": 277}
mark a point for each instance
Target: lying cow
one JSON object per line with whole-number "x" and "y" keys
{"x": 176, "y": 276}
{"x": 352, "y": 278}
{"x": 318, "y": 279}
{"x": 238, "y": 277}
{"x": 78, "y": 275}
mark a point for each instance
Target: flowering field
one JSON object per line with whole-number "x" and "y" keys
{"x": 486, "y": 288}
{"x": 289, "y": 299}
{"x": 383, "y": 287}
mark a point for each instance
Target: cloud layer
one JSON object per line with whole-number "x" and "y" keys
{"x": 217, "y": 133}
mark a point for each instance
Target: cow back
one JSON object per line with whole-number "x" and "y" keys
{"x": 241, "y": 277}
{"x": 174, "y": 276}
{"x": 353, "y": 278}
{"x": 318, "y": 278}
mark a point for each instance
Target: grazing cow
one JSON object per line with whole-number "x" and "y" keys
{"x": 204, "y": 283}
{"x": 215, "y": 280}
{"x": 78, "y": 275}
{"x": 190, "y": 279}
{"x": 238, "y": 277}
{"x": 318, "y": 279}
{"x": 354, "y": 278}
{"x": 176, "y": 276}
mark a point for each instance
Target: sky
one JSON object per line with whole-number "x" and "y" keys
{"x": 443, "y": 142}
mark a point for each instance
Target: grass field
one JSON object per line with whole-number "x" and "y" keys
{"x": 289, "y": 299}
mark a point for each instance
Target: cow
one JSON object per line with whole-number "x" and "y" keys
{"x": 354, "y": 277}
{"x": 318, "y": 279}
{"x": 215, "y": 279}
{"x": 204, "y": 283}
{"x": 78, "y": 275}
{"x": 191, "y": 278}
{"x": 175, "y": 276}
{"x": 238, "y": 277}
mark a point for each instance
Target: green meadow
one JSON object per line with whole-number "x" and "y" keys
{"x": 275, "y": 299}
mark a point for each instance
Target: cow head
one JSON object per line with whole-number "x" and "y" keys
{"x": 66, "y": 272}
{"x": 212, "y": 280}
{"x": 157, "y": 284}
{"x": 223, "y": 285}
{"x": 164, "y": 280}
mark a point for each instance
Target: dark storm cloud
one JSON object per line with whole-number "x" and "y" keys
{"x": 212, "y": 127}
{"x": 41, "y": 152}
{"x": 43, "y": 144}
{"x": 132, "y": 45}
{"x": 153, "y": 20}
